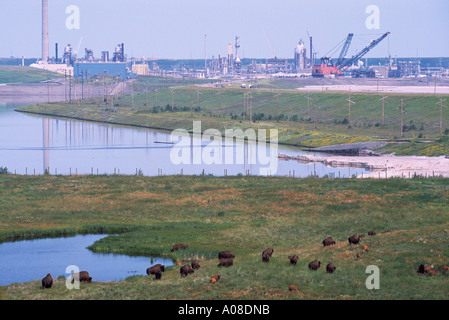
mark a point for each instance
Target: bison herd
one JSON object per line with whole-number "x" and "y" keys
{"x": 226, "y": 259}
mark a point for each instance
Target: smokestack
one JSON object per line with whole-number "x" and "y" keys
{"x": 56, "y": 52}
{"x": 311, "y": 54}
{"x": 123, "y": 53}
{"x": 45, "y": 48}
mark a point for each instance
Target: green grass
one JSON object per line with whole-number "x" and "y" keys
{"x": 246, "y": 215}
{"x": 14, "y": 74}
{"x": 320, "y": 124}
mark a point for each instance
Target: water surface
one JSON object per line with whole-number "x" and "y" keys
{"x": 29, "y": 260}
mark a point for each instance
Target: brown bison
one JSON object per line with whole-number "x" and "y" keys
{"x": 82, "y": 276}
{"x": 215, "y": 278}
{"x": 186, "y": 270}
{"x": 195, "y": 264}
{"x": 268, "y": 251}
{"x": 371, "y": 233}
{"x": 156, "y": 270}
{"x": 293, "y": 259}
{"x": 314, "y": 265}
{"x": 424, "y": 268}
{"x": 225, "y": 262}
{"x": 47, "y": 282}
{"x": 226, "y": 254}
{"x": 328, "y": 242}
{"x": 265, "y": 257}
{"x": 179, "y": 246}
{"x": 354, "y": 239}
{"x": 330, "y": 268}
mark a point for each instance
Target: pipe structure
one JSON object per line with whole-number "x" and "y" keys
{"x": 45, "y": 45}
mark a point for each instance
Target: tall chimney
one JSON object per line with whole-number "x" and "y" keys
{"x": 311, "y": 54}
{"x": 45, "y": 48}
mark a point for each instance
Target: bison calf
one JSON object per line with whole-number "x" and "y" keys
{"x": 215, "y": 278}
{"x": 47, "y": 282}
{"x": 314, "y": 265}
{"x": 328, "y": 242}
{"x": 268, "y": 251}
{"x": 186, "y": 270}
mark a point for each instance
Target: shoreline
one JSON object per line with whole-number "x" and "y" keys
{"x": 384, "y": 166}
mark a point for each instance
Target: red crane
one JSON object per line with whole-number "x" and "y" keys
{"x": 327, "y": 67}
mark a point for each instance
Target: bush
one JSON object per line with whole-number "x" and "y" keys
{"x": 4, "y": 170}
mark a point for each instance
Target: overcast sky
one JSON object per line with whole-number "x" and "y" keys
{"x": 176, "y": 28}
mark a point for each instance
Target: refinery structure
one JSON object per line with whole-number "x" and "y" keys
{"x": 302, "y": 63}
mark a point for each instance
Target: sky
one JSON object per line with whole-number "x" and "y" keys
{"x": 195, "y": 29}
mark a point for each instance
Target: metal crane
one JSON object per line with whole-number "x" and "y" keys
{"x": 327, "y": 67}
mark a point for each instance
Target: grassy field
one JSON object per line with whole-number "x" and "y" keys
{"x": 246, "y": 215}
{"x": 324, "y": 121}
{"x": 15, "y": 74}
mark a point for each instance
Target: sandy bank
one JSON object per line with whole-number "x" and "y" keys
{"x": 385, "y": 166}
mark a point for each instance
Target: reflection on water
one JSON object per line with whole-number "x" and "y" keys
{"x": 32, "y": 144}
{"x": 29, "y": 260}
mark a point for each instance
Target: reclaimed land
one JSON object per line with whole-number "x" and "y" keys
{"x": 324, "y": 121}
{"x": 245, "y": 214}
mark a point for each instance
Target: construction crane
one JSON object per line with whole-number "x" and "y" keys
{"x": 327, "y": 67}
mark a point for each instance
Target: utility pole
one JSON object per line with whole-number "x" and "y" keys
{"x": 172, "y": 93}
{"x": 383, "y": 112}
{"x": 308, "y": 105}
{"x": 198, "y": 99}
{"x": 349, "y": 104}
{"x": 277, "y": 106}
{"x": 441, "y": 115}
{"x": 219, "y": 101}
{"x": 244, "y": 105}
{"x": 402, "y": 108}
{"x": 251, "y": 107}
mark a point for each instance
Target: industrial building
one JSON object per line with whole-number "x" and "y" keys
{"x": 88, "y": 69}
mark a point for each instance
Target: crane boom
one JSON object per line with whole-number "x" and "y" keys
{"x": 344, "y": 50}
{"x": 365, "y": 50}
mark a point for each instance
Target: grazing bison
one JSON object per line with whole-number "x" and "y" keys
{"x": 195, "y": 264}
{"x": 293, "y": 259}
{"x": 186, "y": 270}
{"x": 225, "y": 262}
{"x": 47, "y": 282}
{"x": 424, "y": 268}
{"x": 215, "y": 278}
{"x": 156, "y": 270}
{"x": 330, "y": 268}
{"x": 354, "y": 239}
{"x": 358, "y": 256}
{"x": 371, "y": 233}
{"x": 328, "y": 242}
{"x": 82, "y": 276}
{"x": 365, "y": 248}
{"x": 226, "y": 254}
{"x": 178, "y": 246}
{"x": 314, "y": 265}
{"x": 265, "y": 257}
{"x": 268, "y": 251}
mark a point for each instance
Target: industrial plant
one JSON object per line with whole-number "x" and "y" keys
{"x": 302, "y": 64}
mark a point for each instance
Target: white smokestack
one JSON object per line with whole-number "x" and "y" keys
{"x": 45, "y": 46}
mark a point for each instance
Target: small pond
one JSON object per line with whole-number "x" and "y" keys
{"x": 29, "y": 260}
